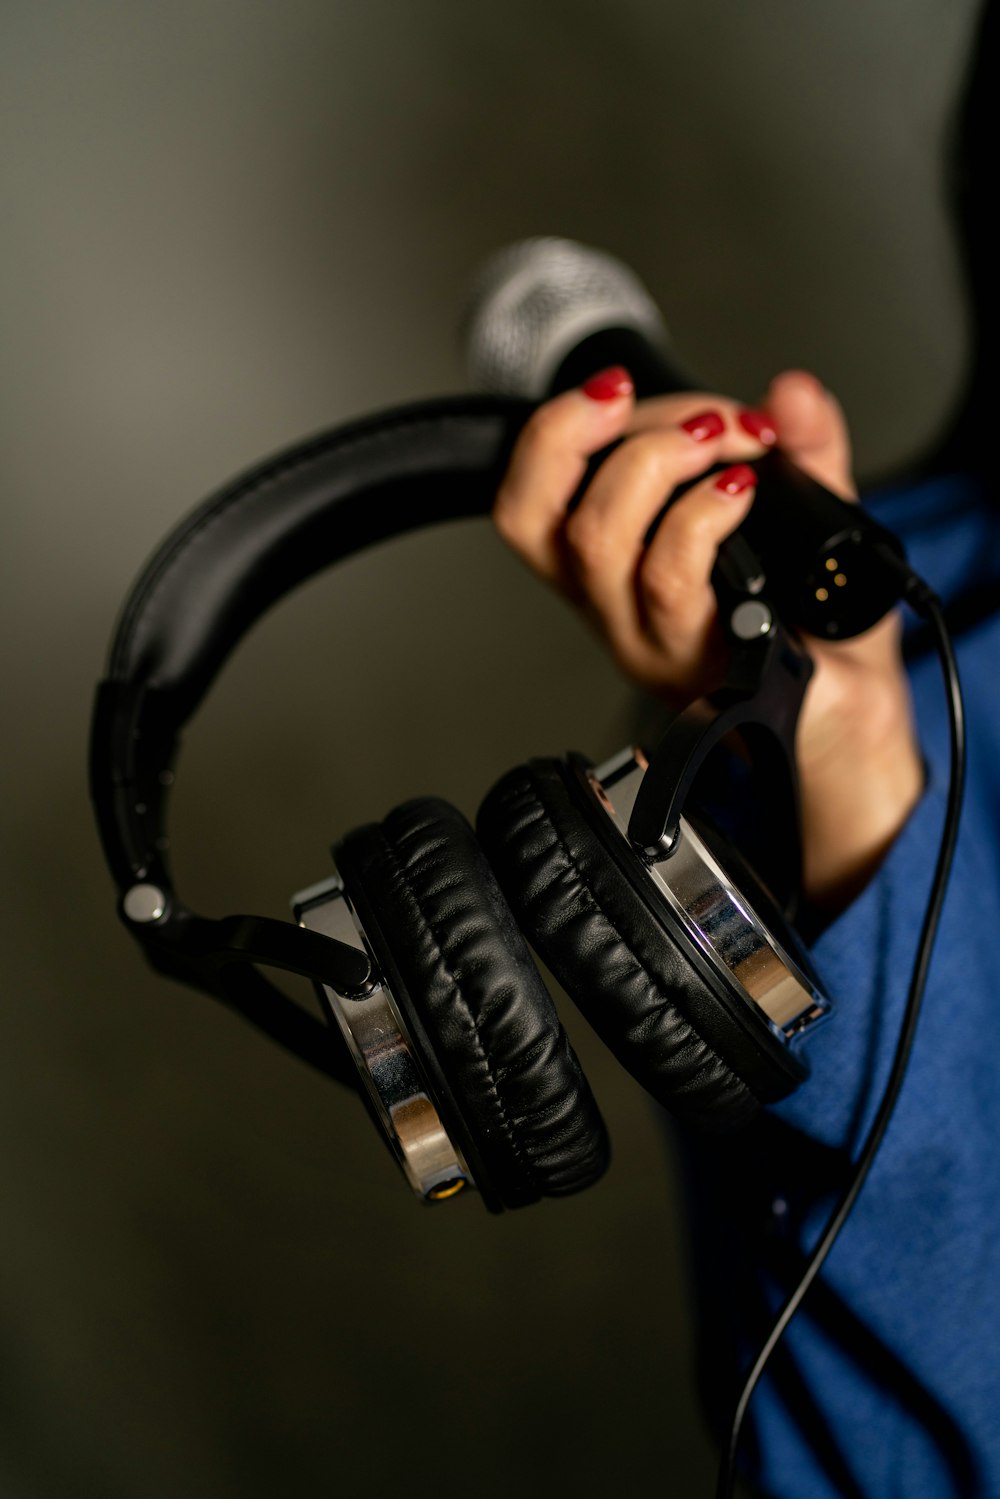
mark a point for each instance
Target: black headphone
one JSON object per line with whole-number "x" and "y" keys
{"x": 681, "y": 955}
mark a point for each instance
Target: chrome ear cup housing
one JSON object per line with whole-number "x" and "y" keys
{"x": 670, "y": 962}
{"x": 723, "y": 907}
{"x": 393, "y": 1076}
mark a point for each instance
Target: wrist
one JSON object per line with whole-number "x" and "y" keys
{"x": 857, "y": 795}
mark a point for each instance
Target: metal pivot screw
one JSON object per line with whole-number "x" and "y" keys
{"x": 750, "y": 619}
{"x": 144, "y": 903}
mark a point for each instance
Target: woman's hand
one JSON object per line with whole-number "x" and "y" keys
{"x": 859, "y": 764}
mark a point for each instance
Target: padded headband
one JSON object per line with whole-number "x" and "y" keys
{"x": 241, "y": 551}
{"x": 237, "y": 554}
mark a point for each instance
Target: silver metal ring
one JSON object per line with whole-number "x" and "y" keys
{"x": 711, "y": 910}
{"x": 387, "y": 1061}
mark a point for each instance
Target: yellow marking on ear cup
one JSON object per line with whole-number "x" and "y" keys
{"x": 450, "y": 1189}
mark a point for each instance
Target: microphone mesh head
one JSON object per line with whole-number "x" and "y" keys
{"x": 534, "y": 301}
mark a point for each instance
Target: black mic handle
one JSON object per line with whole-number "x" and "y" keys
{"x": 826, "y": 567}
{"x": 824, "y": 559}
{"x": 829, "y": 568}
{"x": 653, "y": 369}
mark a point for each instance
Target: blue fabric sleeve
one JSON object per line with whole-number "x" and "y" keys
{"x": 865, "y": 958}
{"x": 888, "y": 1380}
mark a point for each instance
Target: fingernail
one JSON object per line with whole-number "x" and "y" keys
{"x": 759, "y": 425}
{"x": 705, "y": 425}
{"x": 609, "y": 384}
{"x": 733, "y": 481}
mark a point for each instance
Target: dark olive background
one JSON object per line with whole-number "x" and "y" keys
{"x": 225, "y": 225}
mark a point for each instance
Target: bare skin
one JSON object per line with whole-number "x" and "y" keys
{"x": 859, "y": 762}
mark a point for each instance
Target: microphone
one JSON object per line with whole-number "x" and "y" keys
{"x": 546, "y": 313}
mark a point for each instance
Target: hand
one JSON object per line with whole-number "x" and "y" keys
{"x": 859, "y": 764}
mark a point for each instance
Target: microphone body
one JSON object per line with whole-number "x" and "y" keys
{"x": 546, "y": 314}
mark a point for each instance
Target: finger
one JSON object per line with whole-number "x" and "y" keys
{"x": 811, "y": 429}
{"x": 606, "y": 534}
{"x": 750, "y": 431}
{"x": 548, "y": 464}
{"x": 674, "y": 579}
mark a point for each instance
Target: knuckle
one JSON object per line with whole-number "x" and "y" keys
{"x": 660, "y": 587}
{"x": 689, "y": 531}
{"x": 656, "y": 580}
{"x": 650, "y": 457}
{"x": 588, "y": 541}
{"x": 673, "y": 580}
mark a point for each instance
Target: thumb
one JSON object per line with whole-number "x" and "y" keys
{"x": 811, "y": 429}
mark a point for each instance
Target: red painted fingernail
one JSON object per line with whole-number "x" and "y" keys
{"x": 759, "y": 425}
{"x": 705, "y": 425}
{"x": 609, "y": 384}
{"x": 733, "y": 481}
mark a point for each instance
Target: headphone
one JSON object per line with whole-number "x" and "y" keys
{"x": 680, "y": 952}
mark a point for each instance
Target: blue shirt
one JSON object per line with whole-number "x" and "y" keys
{"x": 887, "y": 1383}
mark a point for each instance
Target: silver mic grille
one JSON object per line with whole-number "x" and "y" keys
{"x": 537, "y": 299}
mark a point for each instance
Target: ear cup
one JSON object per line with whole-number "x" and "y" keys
{"x": 446, "y": 939}
{"x": 636, "y": 976}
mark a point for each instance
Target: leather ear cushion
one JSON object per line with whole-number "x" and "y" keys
{"x": 468, "y": 974}
{"x": 636, "y": 987}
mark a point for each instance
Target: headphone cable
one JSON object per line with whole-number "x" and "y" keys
{"x": 927, "y": 605}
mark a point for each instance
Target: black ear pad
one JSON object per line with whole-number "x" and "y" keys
{"x": 441, "y": 928}
{"x": 644, "y": 988}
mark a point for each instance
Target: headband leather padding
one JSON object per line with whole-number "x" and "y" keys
{"x": 244, "y": 548}
{"x": 299, "y": 511}
{"x": 469, "y": 974}
{"x": 638, "y": 989}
